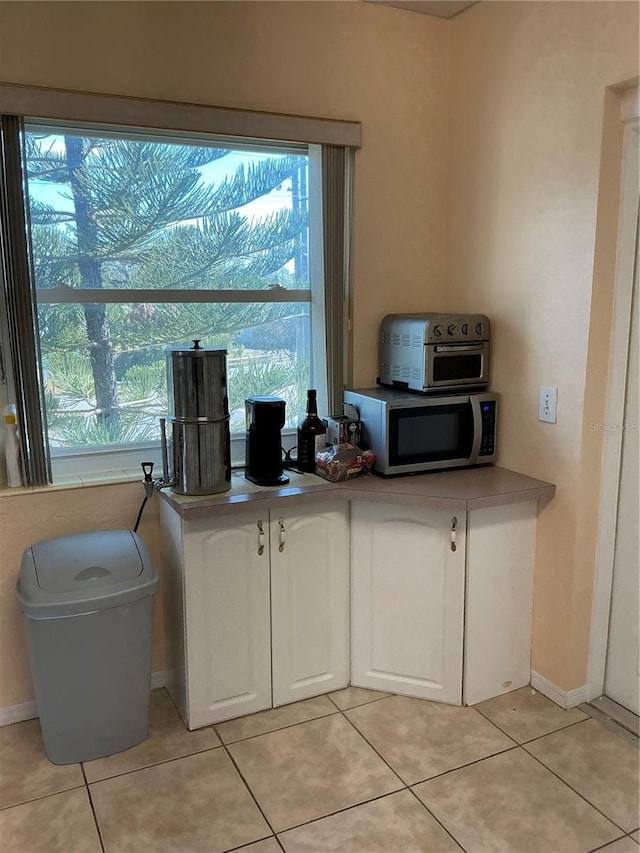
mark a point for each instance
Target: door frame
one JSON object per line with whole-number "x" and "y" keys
{"x": 626, "y": 272}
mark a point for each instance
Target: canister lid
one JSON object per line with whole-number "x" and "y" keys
{"x": 197, "y": 383}
{"x": 196, "y": 351}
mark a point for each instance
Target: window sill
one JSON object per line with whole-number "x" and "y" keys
{"x": 65, "y": 482}
{"x": 77, "y": 481}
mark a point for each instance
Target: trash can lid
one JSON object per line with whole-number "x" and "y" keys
{"x": 84, "y": 572}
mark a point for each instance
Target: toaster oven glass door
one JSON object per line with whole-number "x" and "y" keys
{"x": 454, "y": 368}
{"x": 456, "y": 364}
{"x": 430, "y": 433}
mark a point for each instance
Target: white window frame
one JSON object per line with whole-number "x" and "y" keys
{"x": 191, "y": 121}
{"x": 98, "y": 461}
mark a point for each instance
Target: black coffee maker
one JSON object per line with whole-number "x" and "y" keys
{"x": 265, "y": 419}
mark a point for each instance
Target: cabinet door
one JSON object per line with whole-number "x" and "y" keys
{"x": 501, "y": 546}
{"x": 309, "y": 601}
{"x": 227, "y": 618}
{"x": 407, "y": 599}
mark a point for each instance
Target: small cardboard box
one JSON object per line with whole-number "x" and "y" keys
{"x": 343, "y": 430}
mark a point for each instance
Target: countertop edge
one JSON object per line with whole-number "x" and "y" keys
{"x": 385, "y": 490}
{"x": 538, "y": 493}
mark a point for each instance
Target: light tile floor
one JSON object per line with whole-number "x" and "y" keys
{"x": 356, "y": 771}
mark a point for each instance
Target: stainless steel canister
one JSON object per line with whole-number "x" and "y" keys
{"x": 197, "y": 383}
{"x": 200, "y": 449}
{"x": 200, "y": 455}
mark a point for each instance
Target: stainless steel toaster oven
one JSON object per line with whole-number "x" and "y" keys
{"x": 434, "y": 352}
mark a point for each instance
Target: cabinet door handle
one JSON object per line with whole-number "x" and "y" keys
{"x": 260, "y": 539}
{"x": 282, "y": 534}
{"x": 452, "y": 535}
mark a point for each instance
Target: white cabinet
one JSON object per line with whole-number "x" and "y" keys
{"x": 257, "y": 603}
{"x": 227, "y": 619}
{"x": 309, "y": 602}
{"x": 258, "y": 609}
{"x": 431, "y": 622}
{"x": 407, "y": 594}
{"x": 501, "y": 547}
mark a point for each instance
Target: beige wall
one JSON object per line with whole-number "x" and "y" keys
{"x": 528, "y": 96}
{"x": 344, "y": 60}
{"x": 521, "y": 124}
{"x": 385, "y": 68}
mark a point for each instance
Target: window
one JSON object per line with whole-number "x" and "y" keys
{"x": 143, "y": 240}
{"x": 141, "y": 243}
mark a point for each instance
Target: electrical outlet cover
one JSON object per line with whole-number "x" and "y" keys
{"x": 547, "y": 403}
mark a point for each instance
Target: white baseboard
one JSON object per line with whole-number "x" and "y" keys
{"x": 564, "y": 698}
{"x": 29, "y": 710}
{"x": 158, "y": 679}
{"x": 18, "y": 713}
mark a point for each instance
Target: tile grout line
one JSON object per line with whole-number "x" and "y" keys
{"x": 93, "y": 808}
{"x": 222, "y": 744}
{"x": 43, "y": 796}
{"x": 571, "y": 788}
{"x": 444, "y": 772}
{"x": 406, "y": 786}
{"x": 250, "y": 844}
{"x": 548, "y": 734}
{"x": 484, "y": 717}
{"x": 338, "y": 811}
{"x": 270, "y": 731}
{"x": 537, "y": 737}
{"x": 342, "y": 811}
{"x": 330, "y": 814}
{"x": 289, "y": 725}
{"x": 556, "y": 731}
{"x": 279, "y": 843}
{"x": 154, "y": 763}
{"x": 464, "y": 766}
{"x": 172, "y": 700}
{"x": 607, "y": 843}
{"x": 515, "y": 746}
{"x": 360, "y": 704}
{"x": 428, "y": 810}
{"x": 248, "y": 787}
{"x": 366, "y": 740}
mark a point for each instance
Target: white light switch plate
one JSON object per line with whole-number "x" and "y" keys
{"x": 547, "y": 403}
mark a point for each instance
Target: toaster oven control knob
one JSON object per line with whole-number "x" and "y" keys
{"x": 479, "y": 328}
{"x": 464, "y": 328}
{"x": 437, "y": 331}
{"x": 452, "y": 329}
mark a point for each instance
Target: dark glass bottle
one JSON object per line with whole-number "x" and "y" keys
{"x": 311, "y": 435}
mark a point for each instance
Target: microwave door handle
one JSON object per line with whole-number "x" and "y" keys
{"x": 477, "y": 430}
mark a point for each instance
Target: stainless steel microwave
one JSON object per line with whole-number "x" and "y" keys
{"x": 411, "y": 432}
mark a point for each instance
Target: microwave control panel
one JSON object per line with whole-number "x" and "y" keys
{"x": 488, "y": 442}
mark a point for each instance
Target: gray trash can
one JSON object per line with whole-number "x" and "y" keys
{"x": 87, "y": 601}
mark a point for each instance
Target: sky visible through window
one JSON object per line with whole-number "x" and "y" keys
{"x": 118, "y": 212}
{"x": 212, "y": 174}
